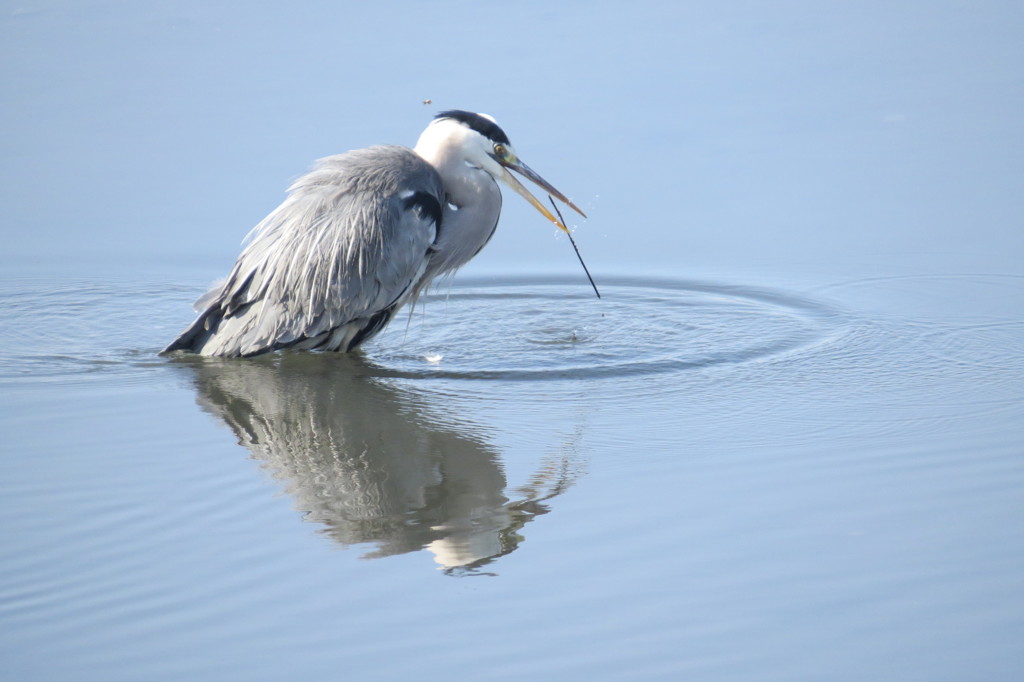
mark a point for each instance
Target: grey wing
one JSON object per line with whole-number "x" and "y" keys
{"x": 331, "y": 265}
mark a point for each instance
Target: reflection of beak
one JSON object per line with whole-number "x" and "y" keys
{"x": 528, "y": 172}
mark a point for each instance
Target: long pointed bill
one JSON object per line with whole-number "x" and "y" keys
{"x": 529, "y": 173}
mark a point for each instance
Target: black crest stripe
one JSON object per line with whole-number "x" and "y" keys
{"x": 481, "y": 124}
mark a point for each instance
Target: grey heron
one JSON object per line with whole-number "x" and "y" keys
{"x": 361, "y": 235}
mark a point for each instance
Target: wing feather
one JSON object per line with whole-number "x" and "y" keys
{"x": 330, "y": 266}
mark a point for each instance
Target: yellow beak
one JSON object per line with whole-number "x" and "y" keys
{"x": 529, "y": 173}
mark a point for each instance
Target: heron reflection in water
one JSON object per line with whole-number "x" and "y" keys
{"x": 367, "y": 458}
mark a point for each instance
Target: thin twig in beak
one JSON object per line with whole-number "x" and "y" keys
{"x": 576, "y": 248}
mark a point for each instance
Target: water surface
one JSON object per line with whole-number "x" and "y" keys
{"x": 784, "y": 445}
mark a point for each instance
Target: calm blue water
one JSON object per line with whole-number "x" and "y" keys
{"x": 785, "y": 445}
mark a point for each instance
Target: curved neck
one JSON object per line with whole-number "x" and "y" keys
{"x": 470, "y": 212}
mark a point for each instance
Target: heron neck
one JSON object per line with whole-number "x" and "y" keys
{"x": 461, "y": 181}
{"x": 471, "y": 211}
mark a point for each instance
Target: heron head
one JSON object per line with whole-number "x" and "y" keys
{"x": 486, "y": 146}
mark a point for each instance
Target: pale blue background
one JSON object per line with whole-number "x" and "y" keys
{"x": 700, "y": 137}
{"x": 850, "y": 511}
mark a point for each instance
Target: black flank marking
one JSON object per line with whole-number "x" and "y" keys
{"x": 196, "y": 333}
{"x": 426, "y": 205}
{"x": 237, "y": 304}
{"x": 374, "y": 325}
{"x": 484, "y": 126}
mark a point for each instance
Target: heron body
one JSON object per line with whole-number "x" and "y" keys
{"x": 358, "y": 237}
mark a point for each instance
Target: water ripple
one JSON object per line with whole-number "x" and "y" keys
{"x": 84, "y": 330}
{"x": 531, "y": 329}
{"x": 513, "y": 329}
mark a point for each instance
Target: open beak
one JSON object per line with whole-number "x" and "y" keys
{"x": 529, "y": 173}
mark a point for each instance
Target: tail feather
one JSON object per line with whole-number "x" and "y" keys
{"x": 199, "y": 332}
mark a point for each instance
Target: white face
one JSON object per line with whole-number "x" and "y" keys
{"x": 446, "y": 139}
{"x": 449, "y": 144}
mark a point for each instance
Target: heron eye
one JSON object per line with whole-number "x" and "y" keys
{"x": 500, "y": 151}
